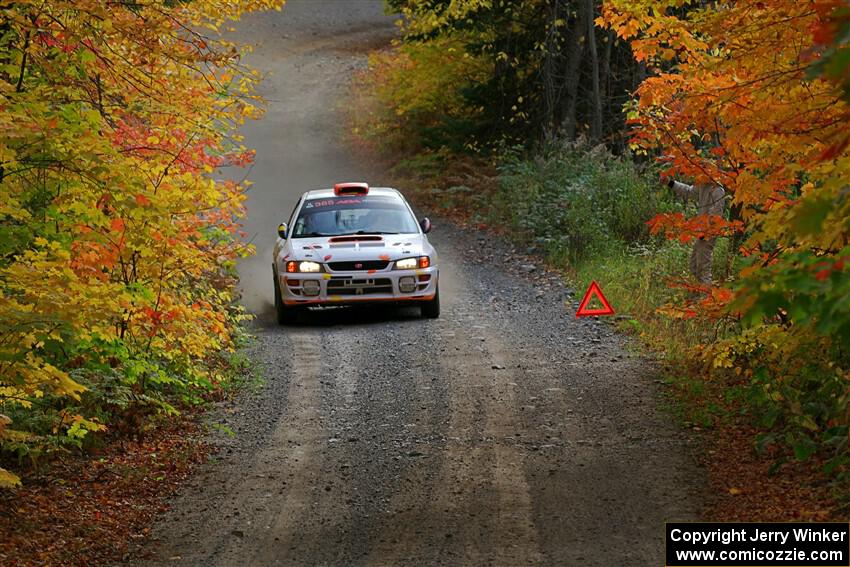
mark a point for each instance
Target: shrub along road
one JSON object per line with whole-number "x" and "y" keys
{"x": 507, "y": 432}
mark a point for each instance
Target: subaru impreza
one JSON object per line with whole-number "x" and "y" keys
{"x": 354, "y": 244}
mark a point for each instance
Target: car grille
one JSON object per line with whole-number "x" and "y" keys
{"x": 356, "y": 266}
{"x": 346, "y": 286}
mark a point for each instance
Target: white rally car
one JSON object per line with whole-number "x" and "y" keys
{"x": 354, "y": 244}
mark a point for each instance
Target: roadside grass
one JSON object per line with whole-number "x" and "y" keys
{"x": 240, "y": 372}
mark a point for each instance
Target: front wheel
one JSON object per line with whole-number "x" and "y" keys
{"x": 431, "y": 309}
{"x": 285, "y": 315}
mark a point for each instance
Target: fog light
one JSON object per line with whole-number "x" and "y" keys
{"x": 310, "y": 287}
{"x": 406, "y": 284}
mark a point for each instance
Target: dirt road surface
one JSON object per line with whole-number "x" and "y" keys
{"x": 505, "y": 433}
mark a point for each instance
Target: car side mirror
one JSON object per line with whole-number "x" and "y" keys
{"x": 281, "y": 230}
{"x": 425, "y": 224}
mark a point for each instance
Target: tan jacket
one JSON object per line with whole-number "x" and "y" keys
{"x": 711, "y": 199}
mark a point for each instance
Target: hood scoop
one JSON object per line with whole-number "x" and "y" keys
{"x": 356, "y": 238}
{"x": 353, "y": 240}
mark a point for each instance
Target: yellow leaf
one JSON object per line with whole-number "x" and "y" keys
{"x": 8, "y": 480}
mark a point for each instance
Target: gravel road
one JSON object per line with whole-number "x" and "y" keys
{"x": 505, "y": 433}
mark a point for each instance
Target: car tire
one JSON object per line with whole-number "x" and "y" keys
{"x": 285, "y": 315}
{"x": 431, "y": 309}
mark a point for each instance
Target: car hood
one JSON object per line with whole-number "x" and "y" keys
{"x": 386, "y": 247}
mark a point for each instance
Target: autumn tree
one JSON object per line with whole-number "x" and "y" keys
{"x": 116, "y": 245}
{"x": 751, "y": 96}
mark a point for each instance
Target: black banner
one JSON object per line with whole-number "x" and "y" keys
{"x": 801, "y": 544}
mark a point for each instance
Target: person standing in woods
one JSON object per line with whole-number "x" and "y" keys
{"x": 711, "y": 201}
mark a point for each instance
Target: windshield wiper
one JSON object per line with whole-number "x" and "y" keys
{"x": 358, "y": 233}
{"x": 310, "y": 235}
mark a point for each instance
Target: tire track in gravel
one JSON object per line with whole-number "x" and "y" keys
{"x": 469, "y": 501}
{"x": 295, "y": 450}
{"x": 280, "y": 478}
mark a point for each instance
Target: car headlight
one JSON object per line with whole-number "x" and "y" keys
{"x": 413, "y": 263}
{"x": 304, "y": 267}
{"x": 406, "y": 264}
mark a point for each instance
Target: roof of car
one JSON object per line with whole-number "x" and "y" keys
{"x": 325, "y": 193}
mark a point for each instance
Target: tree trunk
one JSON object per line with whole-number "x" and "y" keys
{"x": 575, "y": 53}
{"x": 607, "y": 111}
{"x": 640, "y": 74}
{"x": 550, "y": 91}
{"x": 596, "y": 118}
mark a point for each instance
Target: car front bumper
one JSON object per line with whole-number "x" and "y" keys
{"x": 340, "y": 288}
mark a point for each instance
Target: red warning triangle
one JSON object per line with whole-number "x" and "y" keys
{"x": 592, "y": 291}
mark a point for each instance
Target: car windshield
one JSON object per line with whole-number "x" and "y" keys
{"x": 356, "y": 214}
